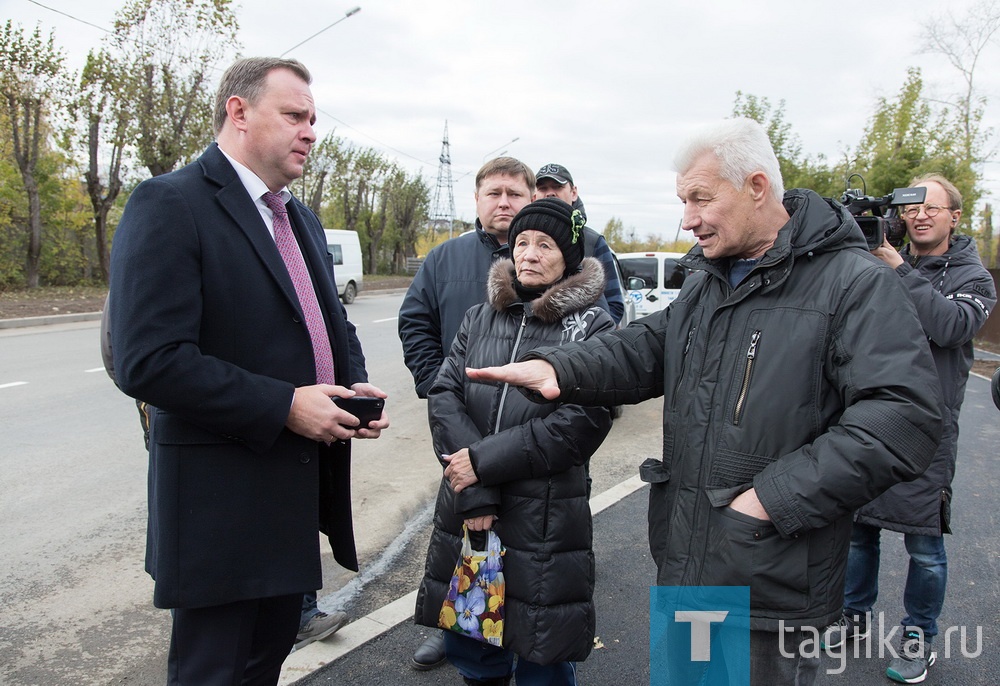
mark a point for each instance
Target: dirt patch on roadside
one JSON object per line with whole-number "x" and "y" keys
{"x": 50, "y": 300}
{"x": 985, "y": 367}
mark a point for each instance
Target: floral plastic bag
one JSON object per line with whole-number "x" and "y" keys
{"x": 474, "y": 605}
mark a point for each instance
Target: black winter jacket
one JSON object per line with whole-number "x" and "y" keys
{"x": 810, "y": 382}
{"x": 953, "y": 294}
{"x": 451, "y": 280}
{"x": 529, "y": 458}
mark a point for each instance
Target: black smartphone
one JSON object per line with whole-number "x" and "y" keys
{"x": 366, "y": 409}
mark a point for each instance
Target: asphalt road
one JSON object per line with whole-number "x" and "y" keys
{"x": 625, "y": 571}
{"x": 76, "y": 603}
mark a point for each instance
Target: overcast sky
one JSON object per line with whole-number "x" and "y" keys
{"x": 605, "y": 88}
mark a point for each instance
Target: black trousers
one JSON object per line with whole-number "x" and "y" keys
{"x": 237, "y": 644}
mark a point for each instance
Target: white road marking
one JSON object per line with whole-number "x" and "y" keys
{"x": 13, "y": 383}
{"x": 95, "y": 369}
{"x": 380, "y": 321}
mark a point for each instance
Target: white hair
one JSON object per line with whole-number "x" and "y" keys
{"x": 742, "y": 148}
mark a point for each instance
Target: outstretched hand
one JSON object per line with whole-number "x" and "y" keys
{"x": 535, "y": 375}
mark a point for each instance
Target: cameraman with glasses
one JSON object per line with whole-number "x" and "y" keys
{"x": 953, "y": 294}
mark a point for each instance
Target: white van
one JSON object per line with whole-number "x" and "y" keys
{"x": 653, "y": 279}
{"x": 346, "y": 250}
{"x": 628, "y": 316}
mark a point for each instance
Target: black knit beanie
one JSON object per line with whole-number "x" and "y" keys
{"x": 557, "y": 219}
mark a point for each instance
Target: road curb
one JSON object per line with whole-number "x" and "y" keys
{"x": 22, "y": 322}
{"x": 315, "y": 656}
{"x": 49, "y": 319}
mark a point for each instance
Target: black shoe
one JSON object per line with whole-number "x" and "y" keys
{"x": 430, "y": 653}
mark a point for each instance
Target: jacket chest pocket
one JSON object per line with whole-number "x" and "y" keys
{"x": 776, "y": 368}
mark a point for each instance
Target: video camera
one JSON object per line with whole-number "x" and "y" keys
{"x": 879, "y": 217}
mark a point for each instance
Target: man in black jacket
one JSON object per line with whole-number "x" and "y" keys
{"x": 786, "y": 403}
{"x": 452, "y": 277}
{"x": 555, "y": 181}
{"x": 953, "y": 294}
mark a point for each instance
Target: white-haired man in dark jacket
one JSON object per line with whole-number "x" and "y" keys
{"x": 797, "y": 386}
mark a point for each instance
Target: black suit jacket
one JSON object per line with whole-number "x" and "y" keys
{"x": 206, "y": 328}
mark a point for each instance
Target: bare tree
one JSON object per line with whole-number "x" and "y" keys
{"x": 104, "y": 117}
{"x": 170, "y": 50}
{"x": 964, "y": 42}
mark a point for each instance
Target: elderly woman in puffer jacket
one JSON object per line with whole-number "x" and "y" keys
{"x": 518, "y": 466}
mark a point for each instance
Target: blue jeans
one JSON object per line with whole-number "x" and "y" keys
{"x": 926, "y": 577}
{"x": 480, "y": 661}
{"x": 309, "y": 609}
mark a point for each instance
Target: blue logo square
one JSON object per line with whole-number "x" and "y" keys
{"x": 699, "y": 635}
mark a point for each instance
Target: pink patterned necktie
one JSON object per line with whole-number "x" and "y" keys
{"x": 296, "y": 265}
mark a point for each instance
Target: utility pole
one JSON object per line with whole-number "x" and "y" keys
{"x": 443, "y": 207}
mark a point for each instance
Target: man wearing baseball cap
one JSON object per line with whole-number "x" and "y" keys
{"x": 555, "y": 181}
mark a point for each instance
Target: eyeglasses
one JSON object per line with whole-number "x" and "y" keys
{"x": 931, "y": 211}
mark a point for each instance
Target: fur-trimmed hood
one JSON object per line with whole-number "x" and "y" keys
{"x": 572, "y": 294}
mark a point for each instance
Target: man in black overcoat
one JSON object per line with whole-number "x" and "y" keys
{"x": 248, "y": 455}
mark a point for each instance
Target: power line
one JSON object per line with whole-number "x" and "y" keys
{"x": 372, "y": 138}
{"x": 350, "y": 13}
{"x": 339, "y": 121}
{"x": 52, "y": 9}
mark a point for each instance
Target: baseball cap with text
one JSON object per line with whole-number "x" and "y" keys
{"x": 557, "y": 172}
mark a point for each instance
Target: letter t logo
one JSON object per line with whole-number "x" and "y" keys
{"x": 701, "y": 628}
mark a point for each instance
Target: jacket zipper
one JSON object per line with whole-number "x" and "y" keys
{"x": 745, "y": 387}
{"x": 513, "y": 356}
{"x": 503, "y": 399}
{"x": 545, "y": 518}
{"x": 684, "y": 362}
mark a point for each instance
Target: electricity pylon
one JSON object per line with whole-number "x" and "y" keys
{"x": 443, "y": 207}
